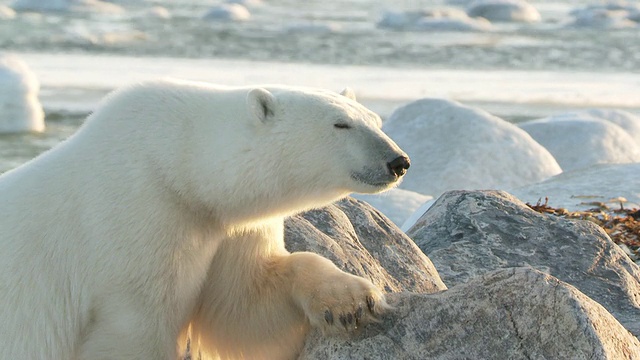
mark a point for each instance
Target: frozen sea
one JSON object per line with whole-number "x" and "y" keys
{"x": 515, "y": 70}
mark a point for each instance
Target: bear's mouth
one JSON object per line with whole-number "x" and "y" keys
{"x": 375, "y": 180}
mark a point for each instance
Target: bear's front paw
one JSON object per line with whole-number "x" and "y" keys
{"x": 343, "y": 302}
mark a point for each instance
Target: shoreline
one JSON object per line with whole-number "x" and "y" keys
{"x": 64, "y": 77}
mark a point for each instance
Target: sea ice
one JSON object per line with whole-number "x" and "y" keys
{"x": 608, "y": 15}
{"x": 158, "y": 12}
{"x": 504, "y": 11}
{"x": 396, "y": 204}
{"x": 580, "y": 189}
{"x": 441, "y": 19}
{"x": 6, "y": 13}
{"x": 227, "y": 12}
{"x": 66, "y": 5}
{"x": 20, "y": 109}
{"x": 316, "y": 28}
{"x": 453, "y": 146}
{"x": 579, "y": 140}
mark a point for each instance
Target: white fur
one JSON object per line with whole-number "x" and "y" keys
{"x": 163, "y": 215}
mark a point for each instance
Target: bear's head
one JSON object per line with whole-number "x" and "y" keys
{"x": 248, "y": 153}
{"x": 316, "y": 146}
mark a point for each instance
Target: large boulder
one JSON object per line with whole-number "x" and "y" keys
{"x": 20, "y": 108}
{"x": 453, "y": 146}
{"x": 629, "y": 122}
{"x": 517, "y": 313}
{"x": 579, "y": 140}
{"x": 361, "y": 241}
{"x": 468, "y": 234}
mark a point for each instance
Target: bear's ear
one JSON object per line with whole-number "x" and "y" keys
{"x": 261, "y": 103}
{"x": 348, "y": 92}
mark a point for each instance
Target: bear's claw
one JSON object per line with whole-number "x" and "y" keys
{"x": 328, "y": 317}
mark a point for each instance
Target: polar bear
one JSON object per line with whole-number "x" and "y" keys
{"x": 162, "y": 217}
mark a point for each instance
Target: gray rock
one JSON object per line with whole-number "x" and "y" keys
{"x": 467, "y": 234}
{"x": 361, "y": 241}
{"x": 517, "y": 313}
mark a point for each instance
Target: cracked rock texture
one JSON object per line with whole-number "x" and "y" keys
{"x": 361, "y": 241}
{"x": 516, "y": 313}
{"x": 470, "y": 233}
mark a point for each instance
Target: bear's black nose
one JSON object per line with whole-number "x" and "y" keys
{"x": 399, "y": 165}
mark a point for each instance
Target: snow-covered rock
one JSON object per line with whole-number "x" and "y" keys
{"x": 6, "y": 13}
{"x": 453, "y": 146}
{"x": 504, "y": 11}
{"x": 442, "y": 19}
{"x": 158, "y": 12}
{"x": 609, "y": 15}
{"x": 396, "y": 204}
{"x": 626, "y": 120}
{"x": 20, "y": 109}
{"x": 66, "y": 5}
{"x": 579, "y": 140}
{"x": 579, "y": 189}
{"x": 227, "y": 12}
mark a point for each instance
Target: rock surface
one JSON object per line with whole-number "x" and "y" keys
{"x": 468, "y": 234}
{"x": 453, "y": 146}
{"x": 517, "y": 313}
{"x": 359, "y": 240}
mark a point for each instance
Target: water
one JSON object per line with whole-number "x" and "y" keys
{"x": 517, "y": 71}
{"x": 547, "y": 45}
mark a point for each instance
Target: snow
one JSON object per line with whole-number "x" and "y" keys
{"x": 579, "y": 140}
{"x": 66, "y": 5}
{"x": 228, "y": 12}
{"x": 396, "y": 204}
{"x": 315, "y": 28}
{"x": 159, "y": 12}
{"x": 626, "y": 120}
{"x": 6, "y": 13}
{"x": 575, "y": 189}
{"x": 504, "y": 11}
{"x": 20, "y": 109}
{"x": 609, "y": 15}
{"x": 247, "y": 3}
{"x": 371, "y": 83}
{"x": 453, "y": 146}
{"x": 441, "y": 19}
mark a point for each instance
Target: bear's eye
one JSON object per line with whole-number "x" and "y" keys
{"x": 342, "y": 126}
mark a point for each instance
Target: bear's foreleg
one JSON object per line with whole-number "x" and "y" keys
{"x": 259, "y": 301}
{"x": 333, "y": 300}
